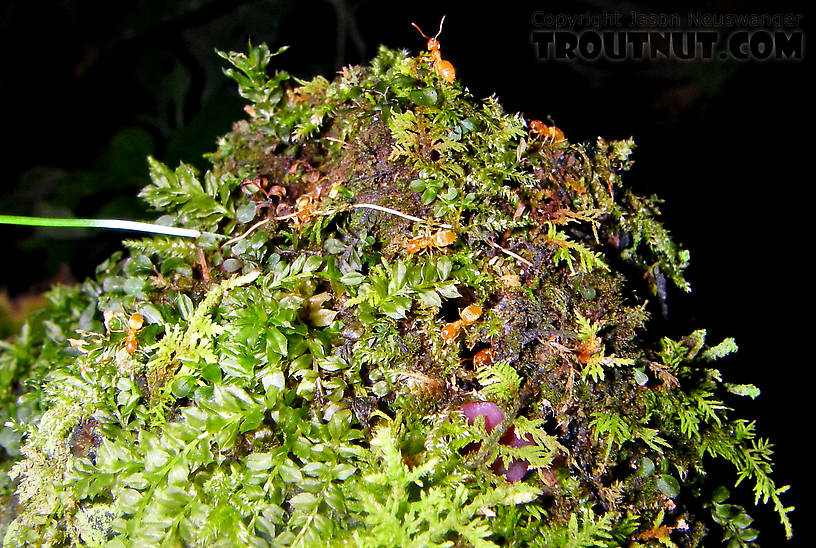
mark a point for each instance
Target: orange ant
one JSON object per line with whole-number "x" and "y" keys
{"x": 467, "y": 315}
{"x": 442, "y": 238}
{"x": 134, "y": 325}
{"x": 483, "y": 357}
{"x": 305, "y": 209}
{"x": 548, "y": 132}
{"x": 443, "y": 68}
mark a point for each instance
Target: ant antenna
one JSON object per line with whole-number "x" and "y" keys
{"x": 420, "y": 31}
{"x": 440, "y": 27}
{"x": 438, "y": 32}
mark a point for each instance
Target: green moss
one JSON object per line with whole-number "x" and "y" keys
{"x": 291, "y": 384}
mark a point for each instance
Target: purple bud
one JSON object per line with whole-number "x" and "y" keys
{"x": 511, "y": 439}
{"x": 518, "y": 468}
{"x": 491, "y": 412}
{"x": 493, "y": 415}
{"x": 515, "y": 472}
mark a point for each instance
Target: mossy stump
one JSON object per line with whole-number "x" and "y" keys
{"x": 413, "y": 320}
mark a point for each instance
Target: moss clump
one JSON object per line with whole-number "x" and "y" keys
{"x": 290, "y": 383}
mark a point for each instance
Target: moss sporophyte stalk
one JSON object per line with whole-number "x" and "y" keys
{"x": 294, "y": 380}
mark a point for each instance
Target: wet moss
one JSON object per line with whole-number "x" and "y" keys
{"x": 300, "y": 376}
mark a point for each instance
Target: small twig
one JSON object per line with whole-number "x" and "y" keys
{"x": 290, "y": 216}
{"x": 332, "y": 211}
{"x": 248, "y": 232}
{"x": 397, "y": 213}
{"x": 514, "y": 255}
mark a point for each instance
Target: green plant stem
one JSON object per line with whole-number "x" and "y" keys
{"x": 116, "y": 224}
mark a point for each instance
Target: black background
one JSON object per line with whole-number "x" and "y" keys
{"x": 725, "y": 143}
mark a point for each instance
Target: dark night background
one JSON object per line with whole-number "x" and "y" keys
{"x": 90, "y": 88}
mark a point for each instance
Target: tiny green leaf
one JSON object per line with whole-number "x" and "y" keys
{"x": 668, "y": 485}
